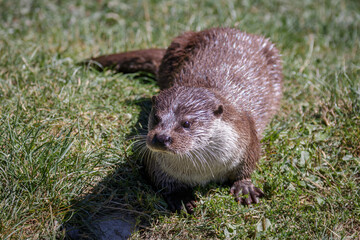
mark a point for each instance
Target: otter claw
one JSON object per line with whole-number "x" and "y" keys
{"x": 178, "y": 200}
{"x": 249, "y": 193}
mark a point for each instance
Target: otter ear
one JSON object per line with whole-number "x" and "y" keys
{"x": 219, "y": 110}
{"x": 153, "y": 99}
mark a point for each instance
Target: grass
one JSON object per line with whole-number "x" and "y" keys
{"x": 64, "y": 157}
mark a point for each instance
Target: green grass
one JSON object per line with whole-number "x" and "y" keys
{"x": 64, "y": 157}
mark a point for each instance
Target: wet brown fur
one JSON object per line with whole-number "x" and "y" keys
{"x": 217, "y": 74}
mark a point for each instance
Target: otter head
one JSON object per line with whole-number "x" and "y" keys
{"x": 182, "y": 119}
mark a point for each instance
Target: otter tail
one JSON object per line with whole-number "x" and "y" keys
{"x": 147, "y": 60}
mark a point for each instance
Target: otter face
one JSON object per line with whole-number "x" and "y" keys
{"x": 182, "y": 119}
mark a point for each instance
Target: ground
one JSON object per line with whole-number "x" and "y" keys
{"x": 66, "y": 159}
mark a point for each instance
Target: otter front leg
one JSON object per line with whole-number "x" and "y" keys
{"x": 176, "y": 194}
{"x": 246, "y": 188}
{"x": 176, "y": 200}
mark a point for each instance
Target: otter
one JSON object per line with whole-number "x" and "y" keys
{"x": 219, "y": 89}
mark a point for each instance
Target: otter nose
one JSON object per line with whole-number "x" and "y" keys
{"x": 162, "y": 140}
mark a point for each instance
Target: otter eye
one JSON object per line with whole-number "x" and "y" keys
{"x": 186, "y": 124}
{"x": 156, "y": 119}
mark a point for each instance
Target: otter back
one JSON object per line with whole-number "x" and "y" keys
{"x": 243, "y": 68}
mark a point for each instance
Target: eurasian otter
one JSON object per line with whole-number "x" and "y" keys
{"x": 220, "y": 87}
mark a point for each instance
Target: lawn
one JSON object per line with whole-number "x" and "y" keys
{"x": 66, "y": 156}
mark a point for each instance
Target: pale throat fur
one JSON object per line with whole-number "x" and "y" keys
{"x": 209, "y": 159}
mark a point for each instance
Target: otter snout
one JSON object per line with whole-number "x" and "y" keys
{"x": 162, "y": 140}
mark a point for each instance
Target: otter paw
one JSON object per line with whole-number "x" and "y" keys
{"x": 249, "y": 194}
{"x": 178, "y": 200}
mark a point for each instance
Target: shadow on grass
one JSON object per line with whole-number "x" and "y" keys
{"x": 121, "y": 203}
